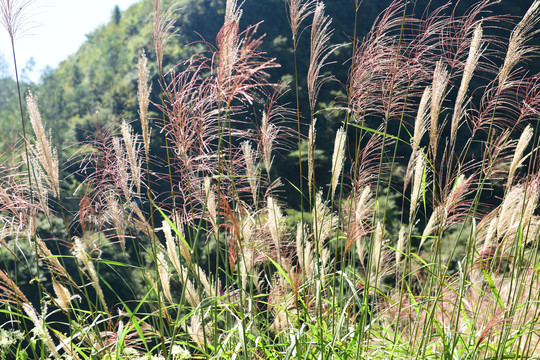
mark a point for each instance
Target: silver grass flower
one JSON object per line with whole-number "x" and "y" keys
{"x": 164, "y": 275}
{"x": 376, "y": 250}
{"x": 417, "y": 183}
{"x": 190, "y": 292}
{"x": 63, "y": 296}
{"x": 518, "y": 159}
{"x": 420, "y": 124}
{"x": 250, "y": 158}
{"x": 132, "y": 149}
{"x": 517, "y": 45}
{"x": 122, "y": 165}
{"x": 171, "y": 246}
{"x": 40, "y": 329}
{"x": 298, "y": 11}
{"x": 311, "y": 155}
{"x": 14, "y": 16}
{"x": 115, "y": 214}
{"x": 440, "y": 81}
{"x": 324, "y": 221}
{"x": 173, "y": 243}
{"x": 208, "y": 285}
{"x": 233, "y": 11}
{"x": 510, "y": 209}
{"x": 143, "y": 95}
{"x": 475, "y": 51}
{"x": 52, "y": 263}
{"x": 211, "y": 203}
{"x": 269, "y": 133}
{"x": 420, "y": 127}
{"x": 44, "y": 152}
{"x": 320, "y": 50}
{"x": 80, "y": 253}
{"x": 275, "y": 222}
{"x": 163, "y": 29}
{"x": 338, "y": 157}
{"x": 402, "y": 237}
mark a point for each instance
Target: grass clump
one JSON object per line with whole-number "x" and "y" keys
{"x": 423, "y": 244}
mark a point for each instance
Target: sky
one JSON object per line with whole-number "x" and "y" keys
{"x": 58, "y": 29}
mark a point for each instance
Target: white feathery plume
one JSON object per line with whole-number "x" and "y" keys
{"x": 80, "y": 253}
{"x": 299, "y": 10}
{"x": 164, "y": 276}
{"x": 63, "y": 296}
{"x": 233, "y": 12}
{"x": 420, "y": 126}
{"x": 376, "y": 251}
{"x": 269, "y": 134}
{"x": 401, "y": 243}
{"x": 320, "y": 50}
{"x": 440, "y": 81}
{"x": 518, "y": 159}
{"x": 275, "y": 222}
{"x": 211, "y": 204}
{"x": 475, "y": 51}
{"x": 250, "y": 158}
{"x": 172, "y": 244}
{"x": 143, "y": 95}
{"x": 338, "y": 157}
{"x": 517, "y": 49}
{"x": 323, "y": 221}
{"x": 40, "y": 329}
{"x": 45, "y": 153}
{"x": 190, "y": 292}
{"x": 132, "y": 149}
{"x": 311, "y": 154}
{"x": 417, "y": 183}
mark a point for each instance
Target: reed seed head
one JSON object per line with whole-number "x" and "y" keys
{"x": 14, "y": 16}
{"x": 311, "y": 154}
{"x": 517, "y": 45}
{"x": 164, "y": 275}
{"x": 440, "y": 81}
{"x": 475, "y": 51}
{"x": 518, "y": 159}
{"x": 298, "y": 11}
{"x": 44, "y": 152}
{"x": 338, "y": 157}
{"x": 143, "y": 95}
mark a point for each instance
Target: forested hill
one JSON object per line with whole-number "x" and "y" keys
{"x": 98, "y": 83}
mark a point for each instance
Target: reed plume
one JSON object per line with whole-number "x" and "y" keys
{"x": 80, "y": 253}
{"x": 338, "y": 158}
{"x": 40, "y": 329}
{"x": 518, "y": 49}
{"x": 320, "y": 50}
{"x": 143, "y": 95}
{"x": 14, "y": 16}
{"x": 475, "y": 51}
{"x": 45, "y": 153}
{"x": 419, "y": 171}
{"x": 440, "y": 81}
{"x": 164, "y": 276}
{"x": 163, "y": 29}
{"x": 63, "y": 296}
{"x": 250, "y": 158}
{"x": 311, "y": 154}
{"x": 298, "y": 11}
{"x": 269, "y": 133}
{"x": 518, "y": 158}
{"x": 132, "y": 149}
